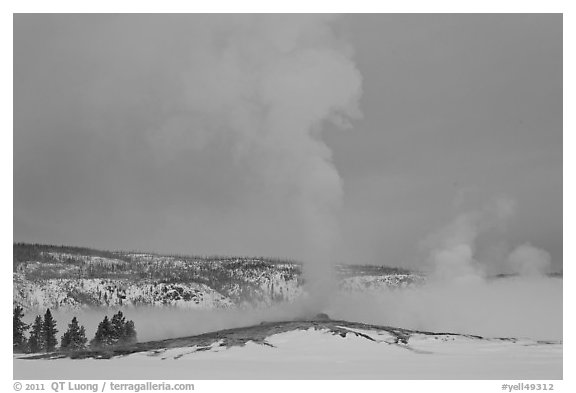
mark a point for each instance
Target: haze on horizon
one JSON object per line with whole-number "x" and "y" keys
{"x": 456, "y": 110}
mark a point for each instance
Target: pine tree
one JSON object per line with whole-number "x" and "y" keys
{"x": 129, "y": 333}
{"x": 75, "y": 337}
{"x": 36, "y": 341}
{"x": 49, "y": 332}
{"x": 19, "y": 327}
{"x": 103, "y": 336}
{"x": 124, "y": 331}
{"x": 118, "y": 324}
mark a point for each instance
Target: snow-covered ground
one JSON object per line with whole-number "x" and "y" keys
{"x": 174, "y": 299}
{"x": 321, "y": 354}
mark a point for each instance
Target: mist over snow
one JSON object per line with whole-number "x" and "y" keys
{"x": 156, "y": 323}
{"x": 464, "y": 289}
{"x": 462, "y": 293}
{"x": 507, "y": 307}
{"x": 521, "y": 307}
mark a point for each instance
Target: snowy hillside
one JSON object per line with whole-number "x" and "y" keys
{"x": 79, "y": 293}
{"x": 310, "y": 350}
{"x": 73, "y": 278}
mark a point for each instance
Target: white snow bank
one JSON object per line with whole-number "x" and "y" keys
{"x": 321, "y": 355}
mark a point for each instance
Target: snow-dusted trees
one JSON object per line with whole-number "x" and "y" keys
{"x": 19, "y": 328}
{"x": 103, "y": 336}
{"x": 130, "y": 333}
{"x": 49, "y": 332}
{"x": 36, "y": 340}
{"x": 75, "y": 337}
{"x": 43, "y": 334}
{"x": 110, "y": 332}
{"x": 114, "y": 332}
{"x": 124, "y": 332}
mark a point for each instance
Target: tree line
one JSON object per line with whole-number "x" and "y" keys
{"x": 112, "y": 332}
{"x": 195, "y": 268}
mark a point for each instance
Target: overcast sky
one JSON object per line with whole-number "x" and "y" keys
{"x": 111, "y": 148}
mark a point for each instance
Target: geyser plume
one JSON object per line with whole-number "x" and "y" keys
{"x": 267, "y": 84}
{"x": 528, "y": 260}
{"x": 452, "y": 250}
{"x": 463, "y": 291}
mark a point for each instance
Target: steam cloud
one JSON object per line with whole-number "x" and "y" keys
{"x": 528, "y": 260}
{"x": 460, "y": 295}
{"x": 453, "y": 250}
{"x": 266, "y": 85}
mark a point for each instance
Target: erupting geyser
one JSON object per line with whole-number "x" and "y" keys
{"x": 268, "y": 84}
